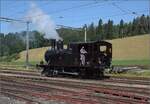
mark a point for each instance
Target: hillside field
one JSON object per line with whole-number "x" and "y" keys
{"x": 126, "y": 51}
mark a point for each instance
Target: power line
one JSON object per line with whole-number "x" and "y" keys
{"x": 14, "y": 5}
{"x": 11, "y": 20}
{"x": 58, "y": 11}
{"x": 118, "y": 7}
{"x": 77, "y": 29}
{"x": 23, "y": 11}
{"x": 123, "y": 10}
{"x": 68, "y": 27}
{"x": 98, "y": 17}
{"x": 95, "y": 4}
{"x": 66, "y": 9}
{"x": 114, "y": 4}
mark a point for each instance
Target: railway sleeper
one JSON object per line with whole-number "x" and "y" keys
{"x": 124, "y": 94}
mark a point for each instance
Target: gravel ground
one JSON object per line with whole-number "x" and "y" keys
{"x": 7, "y": 100}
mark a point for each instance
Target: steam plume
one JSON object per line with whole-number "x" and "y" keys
{"x": 42, "y": 22}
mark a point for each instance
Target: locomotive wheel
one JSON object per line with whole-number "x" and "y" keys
{"x": 44, "y": 72}
{"x": 50, "y": 73}
{"x": 101, "y": 74}
{"x": 97, "y": 74}
{"x": 82, "y": 73}
{"x": 54, "y": 73}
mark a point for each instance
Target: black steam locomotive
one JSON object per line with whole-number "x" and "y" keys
{"x": 72, "y": 61}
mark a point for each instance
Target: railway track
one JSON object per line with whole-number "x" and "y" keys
{"x": 20, "y": 72}
{"x": 98, "y": 89}
{"x": 129, "y": 80}
{"x": 41, "y": 91}
{"x": 55, "y": 92}
{"x": 57, "y": 81}
{"x": 74, "y": 90}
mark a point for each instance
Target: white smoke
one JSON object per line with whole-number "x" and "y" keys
{"x": 42, "y": 22}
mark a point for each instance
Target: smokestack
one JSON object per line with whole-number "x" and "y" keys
{"x": 60, "y": 45}
{"x": 53, "y": 43}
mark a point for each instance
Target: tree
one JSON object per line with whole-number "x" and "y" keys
{"x": 14, "y": 43}
{"x": 148, "y": 24}
{"x": 2, "y": 44}
{"x": 129, "y": 29}
{"x": 105, "y": 28}
{"x": 91, "y": 34}
{"x": 99, "y": 30}
{"x": 109, "y": 33}
{"x": 116, "y": 31}
{"x": 135, "y": 27}
{"x": 121, "y": 28}
{"x": 142, "y": 25}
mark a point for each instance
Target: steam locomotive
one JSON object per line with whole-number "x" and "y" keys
{"x": 60, "y": 61}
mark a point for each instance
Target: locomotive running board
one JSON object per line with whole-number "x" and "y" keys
{"x": 50, "y": 66}
{"x": 69, "y": 73}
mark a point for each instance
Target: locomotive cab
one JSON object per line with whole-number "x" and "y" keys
{"x": 98, "y": 54}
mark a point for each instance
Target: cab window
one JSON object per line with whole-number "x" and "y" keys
{"x": 103, "y": 48}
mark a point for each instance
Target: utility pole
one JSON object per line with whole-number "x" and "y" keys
{"x": 5, "y": 19}
{"x": 149, "y": 7}
{"x": 85, "y": 33}
{"x": 149, "y": 15}
{"x": 27, "y": 45}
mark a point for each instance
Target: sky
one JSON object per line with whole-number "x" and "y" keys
{"x": 73, "y": 13}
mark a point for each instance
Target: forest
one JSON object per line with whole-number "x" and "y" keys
{"x": 13, "y": 43}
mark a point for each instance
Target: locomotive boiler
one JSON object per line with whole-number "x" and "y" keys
{"x": 83, "y": 59}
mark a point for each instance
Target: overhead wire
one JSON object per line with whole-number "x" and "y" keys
{"x": 66, "y": 9}
{"x": 98, "y": 17}
{"x": 96, "y": 3}
{"x": 23, "y": 11}
{"x": 124, "y": 10}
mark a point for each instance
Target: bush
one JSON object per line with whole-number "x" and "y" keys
{"x": 10, "y": 58}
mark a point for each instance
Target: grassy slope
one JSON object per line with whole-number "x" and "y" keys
{"x": 131, "y": 50}
{"x": 35, "y": 55}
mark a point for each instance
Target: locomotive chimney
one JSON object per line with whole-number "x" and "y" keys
{"x": 53, "y": 44}
{"x": 60, "y": 45}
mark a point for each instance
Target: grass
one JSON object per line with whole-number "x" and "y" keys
{"x": 131, "y": 48}
{"x": 19, "y": 65}
{"x": 35, "y": 55}
{"x": 131, "y": 62}
{"x": 132, "y": 73}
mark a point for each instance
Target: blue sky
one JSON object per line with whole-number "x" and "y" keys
{"x": 74, "y": 13}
